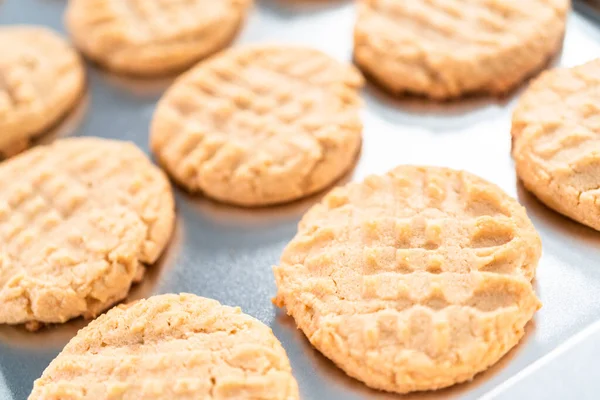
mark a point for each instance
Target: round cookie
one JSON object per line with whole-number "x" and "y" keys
{"x": 41, "y": 79}
{"x": 171, "y": 347}
{"x": 414, "y": 280}
{"x": 142, "y": 37}
{"x": 77, "y": 219}
{"x": 260, "y": 125}
{"x": 556, "y": 141}
{"x": 447, "y": 48}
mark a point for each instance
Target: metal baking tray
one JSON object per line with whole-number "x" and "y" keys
{"x": 226, "y": 253}
{"x": 590, "y": 8}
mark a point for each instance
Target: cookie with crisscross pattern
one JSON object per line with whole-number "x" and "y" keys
{"x": 171, "y": 347}
{"x": 556, "y": 141}
{"x": 260, "y": 125}
{"x": 447, "y": 48}
{"x": 414, "y": 280}
{"x": 41, "y": 79}
{"x": 144, "y": 37}
{"x": 78, "y": 219}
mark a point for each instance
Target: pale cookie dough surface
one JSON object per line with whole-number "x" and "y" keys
{"x": 447, "y": 48}
{"x": 171, "y": 347}
{"x": 414, "y": 280}
{"x": 155, "y": 37}
{"x": 77, "y": 219}
{"x": 41, "y": 79}
{"x": 260, "y": 125}
{"x": 556, "y": 141}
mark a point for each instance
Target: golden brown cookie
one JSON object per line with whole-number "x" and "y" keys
{"x": 144, "y": 37}
{"x": 77, "y": 220}
{"x": 556, "y": 141}
{"x": 414, "y": 280}
{"x": 41, "y": 79}
{"x": 171, "y": 347}
{"x": 260, "y": 125}
{"x": 447, "y": 48}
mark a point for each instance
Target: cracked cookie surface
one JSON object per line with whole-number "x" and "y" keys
{"x": 77, "y": 220}
{"x": 556, "y": 141}
{"x": 260, "y": 125}
{"x": 143, "y": 37}
{"x": 41, "y": 79}
{"x": 171, "y": 347}
{"x": 447, "y": 48}
{"x": 414, "y": 280}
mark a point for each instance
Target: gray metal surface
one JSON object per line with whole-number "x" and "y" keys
{"x": 226, "y": 253}
{"x": 589, "y": 8}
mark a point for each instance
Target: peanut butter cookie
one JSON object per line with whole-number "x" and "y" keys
{"x": 260, "y": 125}
{"x": 414, "y": 280}
{"x": 171, "y": 347}
{"x": 447, "y": 48}
{"x": 556, "y": 141}
{"x": 41, "y": 79}
{"x": 78, "y": 219}
{"x": 142, "y": 37}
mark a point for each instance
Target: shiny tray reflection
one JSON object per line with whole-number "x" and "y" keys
{"x": 226, "y": 253}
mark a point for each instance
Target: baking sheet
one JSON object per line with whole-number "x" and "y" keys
{"x": 226, "y": 253}
{"x": 590, "y": 8}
